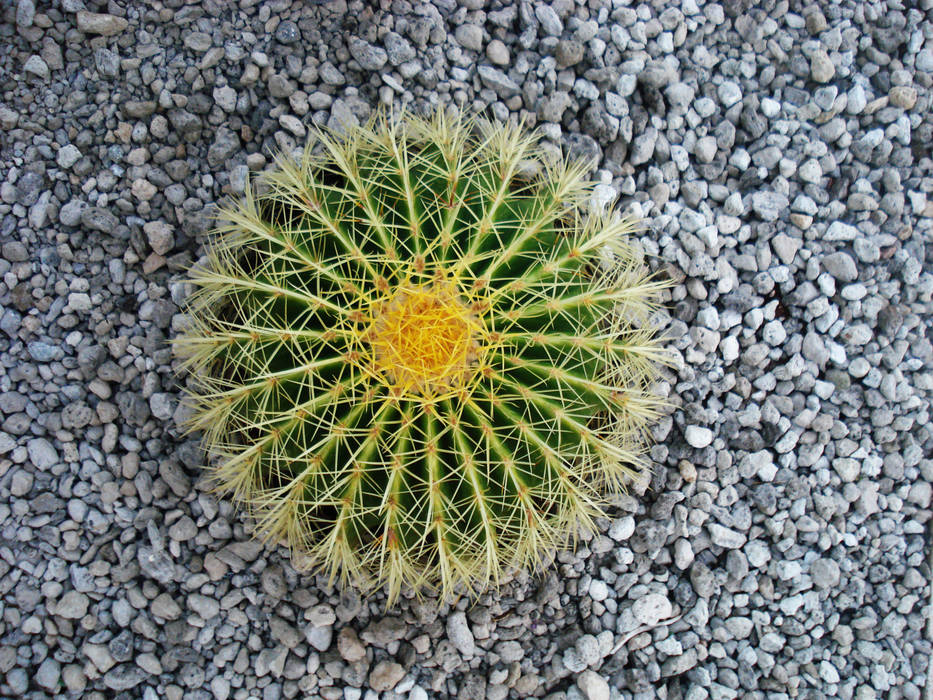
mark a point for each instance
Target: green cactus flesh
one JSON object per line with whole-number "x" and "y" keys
{"x": 417, "y": 364}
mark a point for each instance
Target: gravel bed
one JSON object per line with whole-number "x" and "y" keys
{"x": 781, "y": 153}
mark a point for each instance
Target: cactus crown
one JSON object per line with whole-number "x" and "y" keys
{"x": 416, "y": 363}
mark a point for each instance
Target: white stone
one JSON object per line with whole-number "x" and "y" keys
{"x": 41, "y": 453}
{"x": 460, "y": 635}
{"x": 770, "y": 108}
{"x": 622, "y": 528}
{"x": 68, "y": 155}
{"x": 593, "y": 686}
{"x": 757, "y": 553}
{"x": 599, "y": 591}
{"x": 847, "y": 468}
{"x": 729, "y": 347}
{"x": 698, "y": 436}
{"x": 828, "y": 672}
{"x": 650, "y": 609}
{"x": 810, "y": 171}
{"x": 729, "y": 93}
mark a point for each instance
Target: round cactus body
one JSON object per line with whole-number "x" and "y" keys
{"x": 417, "y": 359}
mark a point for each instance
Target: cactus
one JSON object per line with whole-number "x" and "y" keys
{"x": 417, "y": 359}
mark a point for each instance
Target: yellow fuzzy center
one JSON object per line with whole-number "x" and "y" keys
{"x": 424, "y": 339}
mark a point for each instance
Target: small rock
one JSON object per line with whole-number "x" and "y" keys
{"x": 39, "y": 68}
{"x": 599, "y": 591}
{"x": 698, "y": 437}
{"x": 810, "y": 171}
{"x": 107, "y": 62}
{"x": 99, "y": 219}
{"x": 284, "y": 632}
{"x": 21, "y": 483}
{"x": 385, "y": 675}
{"x": 841, "y": 266}
{"x": 622, "y": 528}
{"x": 225, "y": 97}
{"x": 725, "y": 537}
{"x": 469, "y": 36}
{"x": 593, "y": 686}
{"x": 683, "y": 554}
{"x": 43, "y": 352}
{"x": 549, "y": 20}
{"x": 48, "y": 674}
{"x": 498, "y": 81}
{"x": 164, "y": 606}
{"x": 156, "y": 564}
{"x": 643, "y": 146}
{"x": 460, "y": 635}
{"x": 785, "y": 247}
{"x": 924, "y": 61}
{"x": 729, "y": 93}
{"x": 903, "y": 96}
{"x": 41, "y": 453}
{"x": 650, "y": 609}
{"x": 828, "y": 672}
{"x": 822, "y": 69}
{"x": 569, "y": 52}
{"x": 552, "y": 107}
{"x": 68, "y": 155}
{"x": 100, "y": 656}
{"x": 205, "y": 607}
{"x": 498, "y": 53}
{"x": 183, "y": 530}
{"x": 72, "y": 606}
{"x": 385, "y": 631}
{"x": 124, "y": 677}
{"x": 825, "y": 573}
{"x": 25, "y": 13}
{"x": 840, "y": 231}
{"x": 287, "y": 32}
{"x": 198, "y": 41}
{"x": 18, "y": 680}
{"x": 105, "y": 25}
{"x": 847, "y": 468}
{"x": 399, "y": 49}
{"x": 319, "y": 637}
{"x": 160, "y": 236}
{"x": 226, "y": 143}
{"x": 139, "y": 109}
{"x": 368, "y": 56}
{"x": 349, "y": 645}
{"x": 769, "y": 205}
{"x": 70, "y": 213}
{"x": 705, "y": 149}
{"x": 679, "y": 665}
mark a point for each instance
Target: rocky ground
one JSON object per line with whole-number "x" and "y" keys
{"x": 781, "y": 153}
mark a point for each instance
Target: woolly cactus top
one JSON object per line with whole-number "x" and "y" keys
{"x": 416, "y": 364}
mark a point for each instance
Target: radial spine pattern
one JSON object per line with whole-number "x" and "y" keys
{"x": 415, "y": 362}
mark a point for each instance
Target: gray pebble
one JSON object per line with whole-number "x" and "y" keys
{"x": 549, "y": 20}
{"x": 287, "y": 33}
{"x": 41, "y": 453}
{"x": 37, "y": 67}
{"x": 68, "y": 155}
{"x": 825, "y": 573}
{"x": 368, "y": 56}
{"x": 48, "y": 674}
{"x": 651, "y": 609}
{"x": 769, "y": 205}
{"x": 73, "y": 605}
{"x": 841, "y": 266}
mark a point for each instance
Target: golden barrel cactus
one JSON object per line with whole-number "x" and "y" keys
{"x": 417, "y": 358}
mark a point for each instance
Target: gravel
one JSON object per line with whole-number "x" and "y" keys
{"x": 780, "y": 156}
